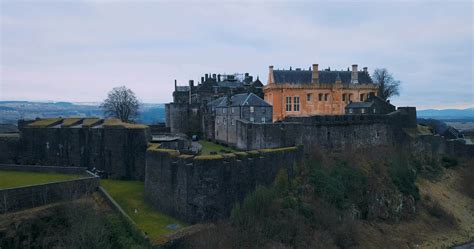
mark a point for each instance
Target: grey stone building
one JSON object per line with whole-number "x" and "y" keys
{"x": 373, "y": 105}
{"x": 189, "y": 112}
{"x": 244, "y": 106}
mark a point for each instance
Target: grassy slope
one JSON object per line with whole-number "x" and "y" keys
{"x": 427, "y": 231}
{"x": 207, "y": 147}
{"x": 129, "y": 195}
{"x": 11, "y": 179}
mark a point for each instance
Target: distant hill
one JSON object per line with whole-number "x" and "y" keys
{"x": 447, "y": 113}
{"x": 11, "y": 111}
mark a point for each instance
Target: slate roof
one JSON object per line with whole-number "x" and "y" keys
{"x": 216, "y": 102}
{"x": 257, "y": 83}
{"x": 243, "y": 99}
{"x": 230, "y": 84}
{"x": 360, "y": 104}
{"x": 325, "y": 77}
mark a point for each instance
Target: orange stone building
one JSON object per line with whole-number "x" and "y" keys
{"x": 314, "y": 92}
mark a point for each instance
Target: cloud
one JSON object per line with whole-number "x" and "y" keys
{"x": 77, "y": 51}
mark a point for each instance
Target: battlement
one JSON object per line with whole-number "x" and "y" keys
{"x": 81, "y": 123}
{"x": 206, "y": 187}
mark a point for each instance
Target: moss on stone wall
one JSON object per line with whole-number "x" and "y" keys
{"x": 208, "y": 157}
{"x": 45, "y": 122}
{"x": 283, "y": 149}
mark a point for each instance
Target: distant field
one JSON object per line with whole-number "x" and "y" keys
{"x": 12, "y": 179}
{"x": 207, "y": 147}
{"x": 130, "y": 196}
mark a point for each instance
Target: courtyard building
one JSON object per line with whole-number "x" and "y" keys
{"x": 299, "y": 92}
{"x": 231, "y": 109}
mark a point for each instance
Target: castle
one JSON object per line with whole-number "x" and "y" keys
{"x": 230, "y": 110}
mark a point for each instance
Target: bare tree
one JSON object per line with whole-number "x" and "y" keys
{"x": 388, "y": 86}
{"x": 121, "y": 103}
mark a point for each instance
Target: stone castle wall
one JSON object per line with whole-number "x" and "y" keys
{"x": 321, "y": 132}
{"x": 202, "y": 188}
{"x": 9, "y": 148}
{"x": 117, "y": 150}
{"x": 16, "y": 199}
{"x": 183, "y": 118}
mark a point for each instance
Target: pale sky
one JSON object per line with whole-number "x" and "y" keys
{"x": 79, "y": 50}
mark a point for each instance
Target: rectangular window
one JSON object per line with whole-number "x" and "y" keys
{"x": 375, "y": 110}
{"x": 296, "y": 101}
{"x": 320, "y": 97}
{"x": 344, "y": 97}
{"x": 232, "y": 110}
{"x": 288, "y": 104}
{"x": 362, "y": 97}
{"x": 223, "y": 110}
{"x": 350, "y": 97}
{"x": 252, "y": 119}
{"x": 308, "y": 97}
{"x": 326, "y": 97}
{"x": 351, "y": 111}
{"x": 252, "y": 109}
{"x": 362, "y": 110}
{"x": 232, "y": 122}
{"x": 263, "y": 120}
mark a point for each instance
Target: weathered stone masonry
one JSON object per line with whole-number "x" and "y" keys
{"x": 116, "y": 149}
{"x": 204, "y": 188}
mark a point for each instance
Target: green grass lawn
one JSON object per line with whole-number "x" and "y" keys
{"x": 12, "y": 179}
{"x": 207, "y": 147}
{"x": 129, "y": 195}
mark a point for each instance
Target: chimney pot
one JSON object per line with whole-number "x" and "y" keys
{"x": 206, "y": 76}
{"x": 365, "y": 69}
{"x": 355, "y": 74}
{"x": 315, "y": 74}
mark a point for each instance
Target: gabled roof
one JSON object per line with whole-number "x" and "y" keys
{"x": 325, "y": 77}
{"x": 257, "y": 83}
{"x": 243, "y": 99}
{"x": 216, "y": 102}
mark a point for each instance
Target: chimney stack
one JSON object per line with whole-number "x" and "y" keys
{"x": 214, "y": 76}
{"x": 365, "y": 69}
{"x": 175, "y": 85}
{"x": 202, "y": 80}
{"x": 315, "y": 74}
{"x": 218, "y": 78}
{"x": 206, "y": 76}
{"x": 271, "y": 79}
{"x": 355, "y": 74}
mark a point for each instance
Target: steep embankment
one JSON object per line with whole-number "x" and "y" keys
{"x": 445, "y": 216}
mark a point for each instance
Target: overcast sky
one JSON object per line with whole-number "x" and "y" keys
{"x": 78, "y": 51}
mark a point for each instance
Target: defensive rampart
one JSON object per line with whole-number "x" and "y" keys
{"x": 203, "y": 188}
{"x": 323, "y": 132}
{"x": 118, "y": 149}
{"x": 20, "y": 198}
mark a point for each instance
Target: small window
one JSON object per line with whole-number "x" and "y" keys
{"x": 223, "y": 110}
{"x": 362, "y": 97}
{"x": 308, "y": 97}
{"x": 263, "y": 120}
{"x": 252, "y": 119}
{"x": 326, "y": 96}
{"x": 362, "y": 110}
{"x": 252, "y": 109}
{"x": 288, "y": 104}
{"x": 232, "y": 110}
{"x": 344, "y": 97}
{"x": 232, "y": 122}
{"x": 374, "y": 110}
{"x": 351, "y": 110}
{"x": 350, "y": 97}
{"x": 320, "y": 97}
{"x": 296, "y": 104}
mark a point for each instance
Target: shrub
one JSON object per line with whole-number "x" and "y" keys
{"x": 254, "y": 205}
{"x": 449, "y": 162}
{"x": 404, "y": 177}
